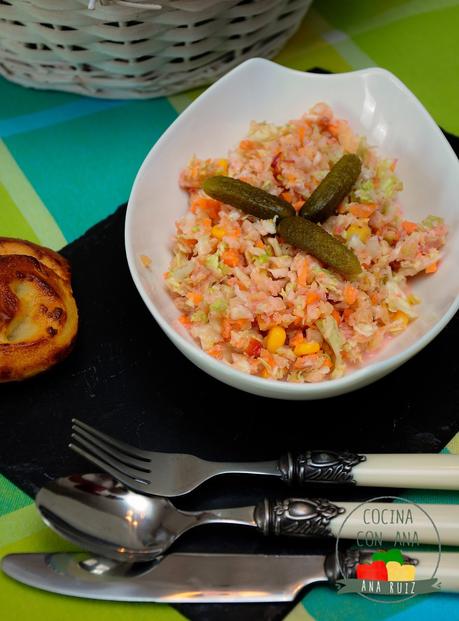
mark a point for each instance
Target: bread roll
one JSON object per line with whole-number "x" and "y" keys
{"x": 38, "y": 313}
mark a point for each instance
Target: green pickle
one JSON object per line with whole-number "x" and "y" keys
{"x": 332, "y": 189}
{"x": 247, "y": 197}
{"x": 314, "y": 240}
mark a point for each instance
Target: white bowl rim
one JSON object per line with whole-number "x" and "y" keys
{"x": 333, "y": 387}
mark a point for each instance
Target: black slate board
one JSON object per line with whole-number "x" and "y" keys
{"x": 126, "y": 378}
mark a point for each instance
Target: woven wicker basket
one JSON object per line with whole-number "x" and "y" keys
{"x": 137, "y": 48}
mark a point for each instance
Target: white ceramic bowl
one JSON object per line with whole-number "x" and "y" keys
{"x": 377, "y": 105}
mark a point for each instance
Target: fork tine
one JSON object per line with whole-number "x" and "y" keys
{"x": 115, "y": 473}
{"x": 105, "y": 462}
{"x": 79, "y": 434}
{"x": 122, "y": 446}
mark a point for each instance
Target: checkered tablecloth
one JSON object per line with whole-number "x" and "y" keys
{"x": 67, "y": 161}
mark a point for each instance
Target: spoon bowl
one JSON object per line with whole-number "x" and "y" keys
{"x": 98, "y": 513}
{"x": 118, "y": 523}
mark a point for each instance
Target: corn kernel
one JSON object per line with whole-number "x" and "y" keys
{"x": 275, "y": 339}
{"x": 363, "y": 232}
{"x": 146, "y": 261}
{"x": 306, "y": 348}
{"x": 223, "y": 165}
{"x": 402, "y": 317}
{"x": 218, "y": 232}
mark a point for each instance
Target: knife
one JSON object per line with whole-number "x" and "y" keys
{"x": 206, "y": 578}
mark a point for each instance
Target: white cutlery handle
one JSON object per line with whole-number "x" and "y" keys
{"x": 447, "y": 572}
{"x": 410, "y": 470}
{"x": 367, "y": 524}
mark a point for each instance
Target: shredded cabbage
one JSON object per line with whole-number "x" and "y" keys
{"x": 332, "y": 334}
{"x": 432, "y": 221}
{"x": 212, "y": 263}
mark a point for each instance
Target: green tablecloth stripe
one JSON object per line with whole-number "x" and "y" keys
{"x": 12, "y": 221}
{"x": 11, "y": 497}
{"x": 93, "y": 170}
{"x": 22, "y": 210}
{"x": 416, "y": 39}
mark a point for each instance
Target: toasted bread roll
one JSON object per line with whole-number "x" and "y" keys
{"x": 38, "y": 313}
{"x": 51, "y": 259}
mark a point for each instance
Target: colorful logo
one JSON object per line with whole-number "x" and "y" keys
{"x": 397, "y": 571}
{"x": 387, "y": 565}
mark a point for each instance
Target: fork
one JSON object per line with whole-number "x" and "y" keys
{"x": 175, "y": 474}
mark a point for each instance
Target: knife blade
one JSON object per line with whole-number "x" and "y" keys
{"x": 207, "y": 578}
{"x": 176, "y": 578}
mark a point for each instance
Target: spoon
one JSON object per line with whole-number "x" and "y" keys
{"x": 98, "y": 513}
{"x": 101, "y": 515}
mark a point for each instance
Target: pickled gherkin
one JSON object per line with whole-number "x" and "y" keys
{"x": 332, "y": 189}
{"x": 314, "y": 240}
{"x": 247, "y": 197}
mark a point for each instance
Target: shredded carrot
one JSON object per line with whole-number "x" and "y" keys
{"x": 265, "y": 373}
{"x": 409, "y": 227}
{"x": 432, "y": 268}
{"x": 236, "y": 232}
{"x": 215, "y": 352}
{"x": 347, "y": 312}
{"x": 246, "y": 145}
{"x": 211, "y": 206}
{"x": 259, "y": 244}
{"x": 166, "y": 275}
{"x": 185, "y": 320}
{"x": 298, "y": 321}
{"x": 337, "y": 316}
{"x": 301, "y": 132}
{"x": 207, "y": 224}
{"x": 303, "y": 273}
{"x": 374, "y": 298}
{"x": 268, "y": 358}
{"x": 328, "y": 363}
{"x": 362, "y": 210}
{"x": 333, "y": 128}
{"x": 312, "y": 297}
{"x": 298, "y": 205}
{"x": 226, "y": 330}
{"x": 191, "y": 243}
{"x": 240, "y": 324}
{"x": 194, "y": 297}
{"x": 350, "y": 294}
{"x": 230, "y": 257}
{"x": 297, "y": 338}
{"x": 287, "y": 197}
